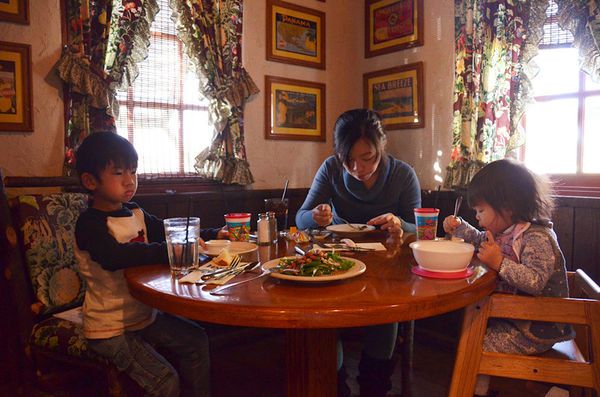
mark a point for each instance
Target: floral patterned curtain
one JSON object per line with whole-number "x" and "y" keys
{"x": 211, "y": 31}
{"x": 495, "y": 40}
{"x": 582, "y": 19}
{"x": 105, "y": 41}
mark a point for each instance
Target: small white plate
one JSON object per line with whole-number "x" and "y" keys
{"x": 343, "y": 228}
{"x": 358, "y": 268}
{"x": 236, "y": 247}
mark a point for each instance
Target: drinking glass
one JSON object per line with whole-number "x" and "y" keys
{"x": 182, "y": 236}
{"x": 280, "y": 208}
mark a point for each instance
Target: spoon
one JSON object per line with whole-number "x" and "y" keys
{"x": 359, "y": 228}
{"x": 457, "y": 204}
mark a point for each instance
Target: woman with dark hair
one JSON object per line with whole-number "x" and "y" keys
{"x": 363, "y": 184}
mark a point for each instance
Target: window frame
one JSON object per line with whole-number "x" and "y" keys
{"x": 579, "y": 183}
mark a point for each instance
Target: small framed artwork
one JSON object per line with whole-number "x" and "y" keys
{"x": 15, "y": 87}
{"x": 14, "y": 11}
{"x": 392, "y": 25}
{"x": 294, "y": 109}
{"x": 396, "y": 94}
{"x": 295, "y": 34}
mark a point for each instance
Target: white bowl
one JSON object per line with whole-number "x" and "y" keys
{"x": 442, "y": 255}
{"x": 214, "y": 247}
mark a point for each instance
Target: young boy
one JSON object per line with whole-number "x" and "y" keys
{"x": 111, "y": 235}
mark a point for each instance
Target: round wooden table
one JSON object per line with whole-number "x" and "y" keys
{"x": 310, "y": 313}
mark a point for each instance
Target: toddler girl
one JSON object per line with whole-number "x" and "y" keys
{"x": 513, "y": 206}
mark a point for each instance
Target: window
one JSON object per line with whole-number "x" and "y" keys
{"x": 163, "y": 114}
{"x": 563, "y": 124}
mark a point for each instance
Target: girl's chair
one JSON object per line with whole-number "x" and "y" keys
{"x": 575, "y": 363}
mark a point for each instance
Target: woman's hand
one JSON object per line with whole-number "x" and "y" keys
{"x": 223, "y": 234}
{"x": 490, "y": 252}
{"x": 322, "y": 214}
{"x": 451, "y": 223}
{"x": 389, "y": 222}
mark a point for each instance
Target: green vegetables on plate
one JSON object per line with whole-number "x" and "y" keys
{"x": 314, "y": 264}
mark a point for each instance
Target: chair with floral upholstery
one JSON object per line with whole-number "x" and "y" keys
{"x": 46, "y": 292}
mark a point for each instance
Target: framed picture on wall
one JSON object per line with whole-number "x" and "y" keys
{"x": 15, "y": 87}
{"x": 392, "y": 25}
{"x": 294, "y": 109}
{"x": 295, "y": 34}
{"x": 14, "y": 11}
{"x": 397, "y": 95}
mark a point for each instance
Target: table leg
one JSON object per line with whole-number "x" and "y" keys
{"x": 311, "y": 362}
{"x": 470, "y": 346}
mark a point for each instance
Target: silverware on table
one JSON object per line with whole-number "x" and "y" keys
{"x": 223, "y": 272}
{"x": 215, "y": 291}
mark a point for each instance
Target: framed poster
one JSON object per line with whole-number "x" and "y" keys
{"x": 294, "y": 109}
{"x": 295, "y": 34}
{"x": 15, "y": 87}
{"x": 392, "y": 25}
{"x": 397, "y": 95}
{"x": 14, "y": 11}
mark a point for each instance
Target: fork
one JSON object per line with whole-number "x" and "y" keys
{"x": 218, "y": 274}
{"x": 360, "y": 228}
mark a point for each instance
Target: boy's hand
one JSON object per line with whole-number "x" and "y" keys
{"x": 223, "y": 234}
{"x": 389, "y": 222}
{"x": 202, "y": 244}
{"x": 451, "y": 223}
{"x": 322, "y": 214}
{"x": 490, "y": 253}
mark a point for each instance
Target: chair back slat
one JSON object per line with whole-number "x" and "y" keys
{"x": 538, "y": 309}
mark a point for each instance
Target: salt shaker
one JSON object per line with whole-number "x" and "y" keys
{"x": 272, "y": 226}
{"x": 263, "y": 230}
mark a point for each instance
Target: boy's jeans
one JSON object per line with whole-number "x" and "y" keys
{"x": 136, "y": 353}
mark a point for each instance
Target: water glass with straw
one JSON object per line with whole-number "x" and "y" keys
{"x": 280, "y": 207}
{"x": 182, "y": 236}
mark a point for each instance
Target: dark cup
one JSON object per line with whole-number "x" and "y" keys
{"x": 280, "y": 208}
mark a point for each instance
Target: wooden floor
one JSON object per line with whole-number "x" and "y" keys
{"x": 256, "y": 370}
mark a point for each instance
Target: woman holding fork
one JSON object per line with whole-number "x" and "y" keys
{"x": 363, "y": 184}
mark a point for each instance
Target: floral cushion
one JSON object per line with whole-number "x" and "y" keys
{"x": 47, "y": 224}
{"x": 62, "y": 337}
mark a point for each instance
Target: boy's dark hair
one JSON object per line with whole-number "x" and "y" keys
{"x": 100, "y": 149}
{"x": 353, "y": 125}
{"x": 509, "y": 185}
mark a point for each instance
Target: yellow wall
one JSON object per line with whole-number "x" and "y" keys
{"x": 40, "y": 153}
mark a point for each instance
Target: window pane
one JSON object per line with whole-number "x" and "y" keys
{"x": 591, "y": 135}
{"x": 159, "y": 76}
{"x": 559, "y": 72}
{"x": 191, "y": 88}
{"x": 590, "y": 85}
{"x": 197, "y": 134}
{"x": 156, "y": 139}
{"x": 552, "y": 141}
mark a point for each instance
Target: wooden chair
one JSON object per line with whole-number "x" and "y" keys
{"x": 574, "y": 363}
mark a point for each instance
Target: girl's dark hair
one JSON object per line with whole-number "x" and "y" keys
{"x": 100, "y": 149}
{"x": 353, "y": 125}
{"x": 509, "y": 185}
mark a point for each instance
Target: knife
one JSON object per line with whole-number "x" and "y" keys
{"x": 215, "y": 291}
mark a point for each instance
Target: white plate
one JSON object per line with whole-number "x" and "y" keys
{"x": 236, "y": 247}
{"x": 358, "y": 268}
{"x": 346, "y": 229}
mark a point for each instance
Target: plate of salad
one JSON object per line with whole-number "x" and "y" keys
{"x": 315, "y": 266}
